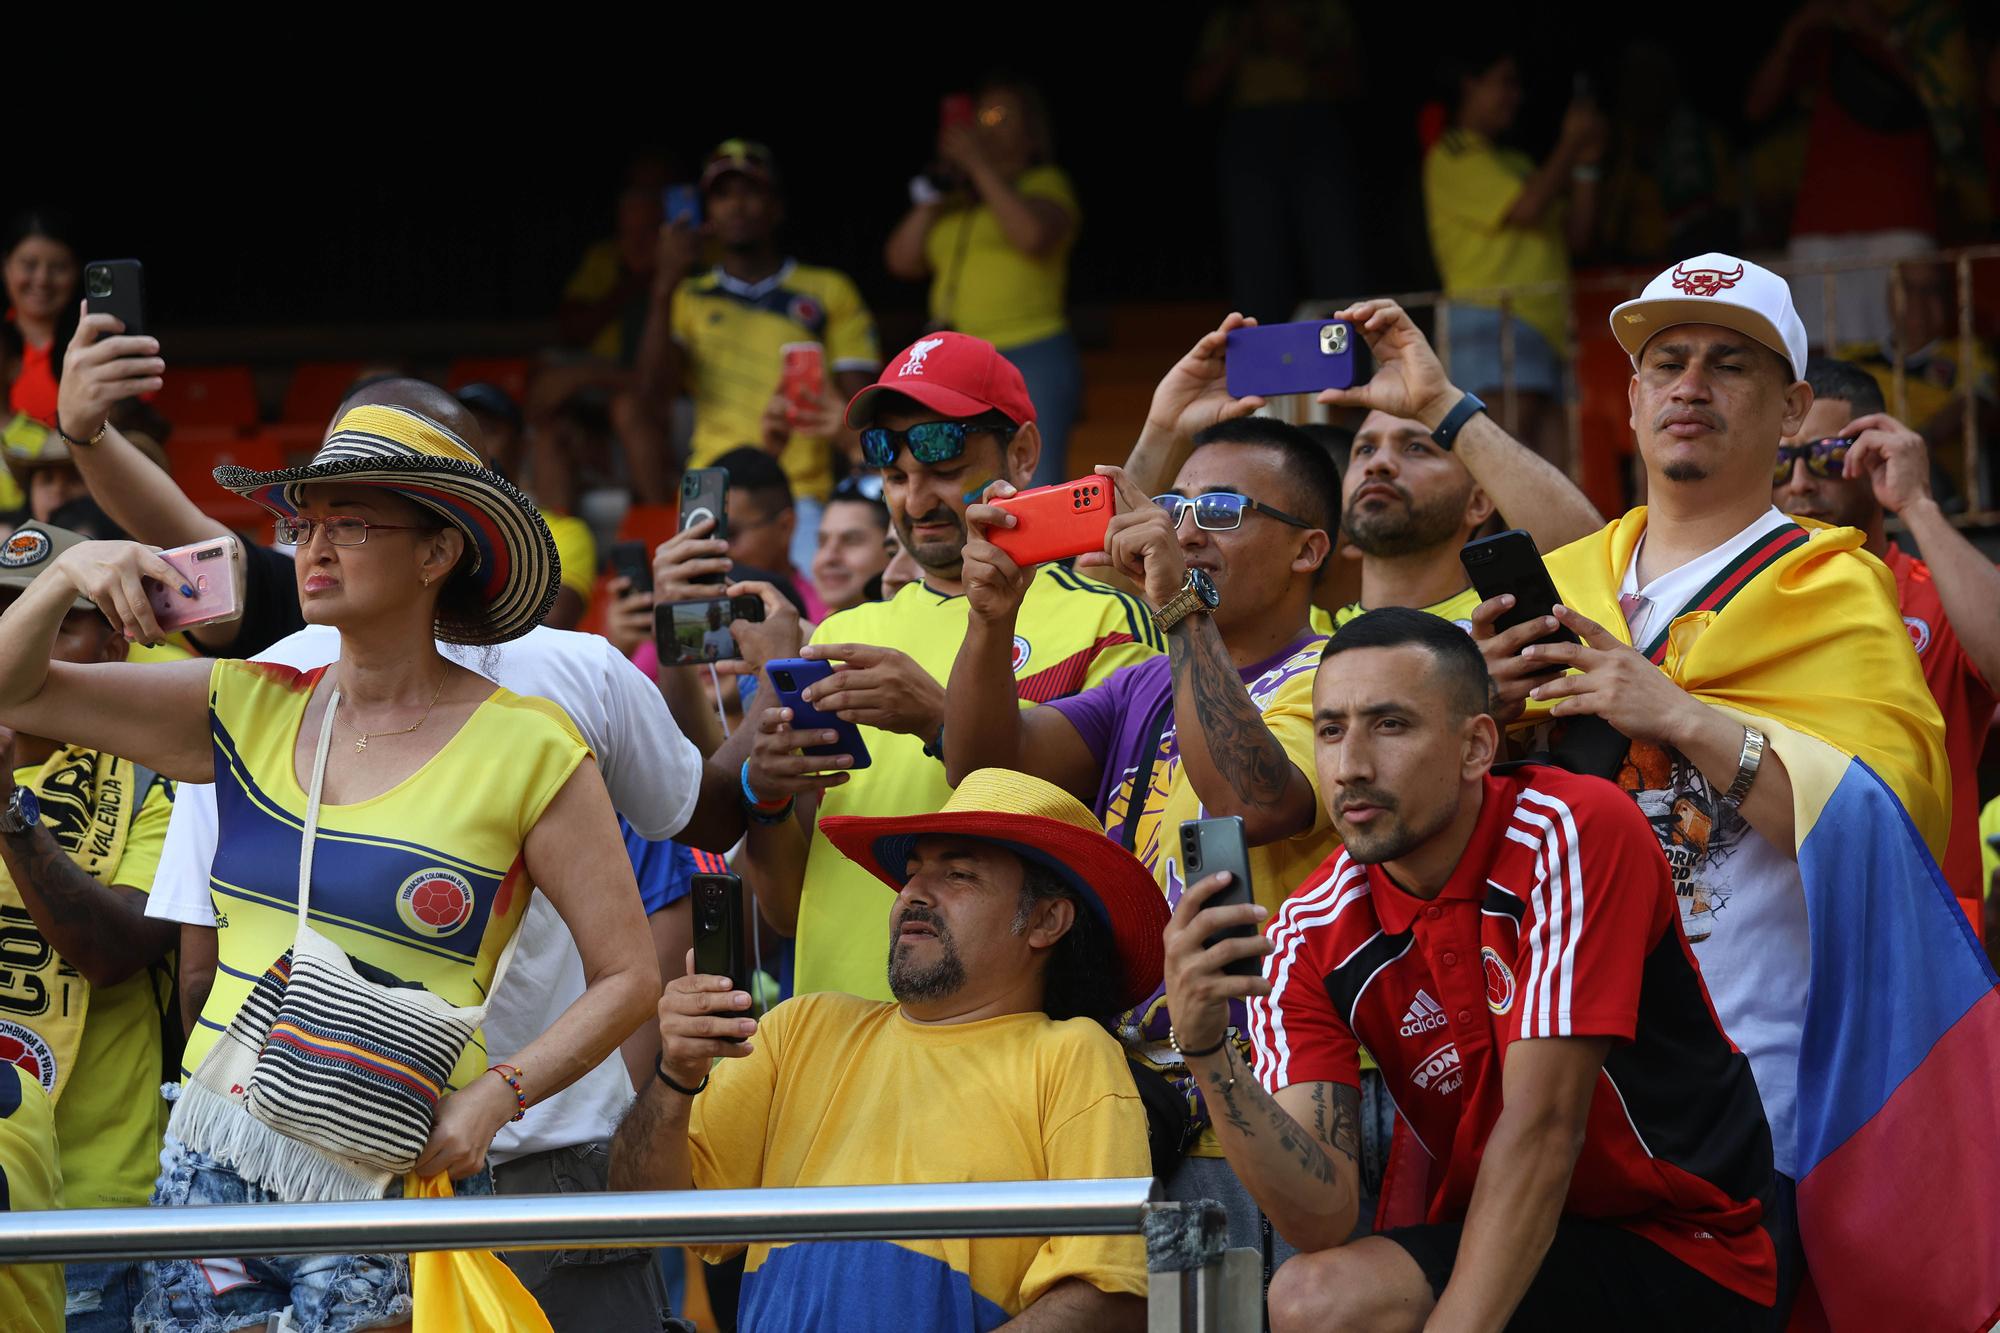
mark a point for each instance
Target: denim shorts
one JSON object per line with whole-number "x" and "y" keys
{"x": 326, "y": 1293}
{"x": 1475, "y": 354}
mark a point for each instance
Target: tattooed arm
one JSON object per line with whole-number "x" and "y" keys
{"x": 1297, "y": 1153}
{"x": 1236, "y": 765}
{"x": 101, "y": 929}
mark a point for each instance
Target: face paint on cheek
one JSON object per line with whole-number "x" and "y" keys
{"x": 972, "y": 496}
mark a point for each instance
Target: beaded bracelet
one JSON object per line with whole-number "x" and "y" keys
{"x": 764, "y": 812}
{"x": 512, "y": 1074}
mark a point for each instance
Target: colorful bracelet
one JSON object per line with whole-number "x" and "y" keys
{"x": 512, "y": 1074}
{"x": 764, "y": 812}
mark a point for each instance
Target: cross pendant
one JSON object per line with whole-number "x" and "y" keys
{"x": 361, "y": 745}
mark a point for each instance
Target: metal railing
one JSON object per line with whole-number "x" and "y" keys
{"x": 1194, "y": 1285}
{"x": 1975, "y": 474}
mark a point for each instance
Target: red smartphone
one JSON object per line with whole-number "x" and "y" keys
{"x": 804, "y": 377}
{"x": 956, "y": 109}
{"x": 1055, "y": 522}
{"x": 214, "y": 569}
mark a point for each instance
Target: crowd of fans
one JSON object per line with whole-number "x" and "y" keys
{"x": 391, "y": 876}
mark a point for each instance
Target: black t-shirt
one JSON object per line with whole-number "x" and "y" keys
{"x": 270, "y": 605}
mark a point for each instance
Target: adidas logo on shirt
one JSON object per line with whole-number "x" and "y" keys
{"x": 1423, "y": 1015}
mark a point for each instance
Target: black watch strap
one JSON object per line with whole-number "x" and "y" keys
{"x": 659, "y": 1072}
{"x": 1454, "y": 421}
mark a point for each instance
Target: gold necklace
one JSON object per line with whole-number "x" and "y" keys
{"x": 361, "y": 745}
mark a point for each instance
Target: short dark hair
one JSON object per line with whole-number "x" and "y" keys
{"x": 1452, "y": 650}
{"x": 754, "y": 470}
{"x": 848, "y": 494}
{"x": 1315, "y": 492}
{"x": 1079, "y": 981}
{"x": 1847, "y": 382}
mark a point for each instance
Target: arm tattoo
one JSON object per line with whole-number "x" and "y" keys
{"x": 84, "y": 920}
{"x": 1238, "y": 1092}
{"x": 1242, "y": 747}
{"x": 1343, "y": 1135}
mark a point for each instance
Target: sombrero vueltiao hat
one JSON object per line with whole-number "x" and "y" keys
{"x": 1045, "y": 824}
{"x": 516, "y": 570}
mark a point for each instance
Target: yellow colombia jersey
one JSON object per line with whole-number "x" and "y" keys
{"x": 31, "y": 1295}
{"x": 1457, "y": 608}
{"x": 577, "y": 549}
{"x": 1469, "y": 186}
{"x": 110, "y": 1116}
{"x": 734, "y": 333}
{"x": 982, "y": 285}
{"x": 842, "y": 1091}
{"x": 1071, "y": 633}
{"x": 425, "y": 881}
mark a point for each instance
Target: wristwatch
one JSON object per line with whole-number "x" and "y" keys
{"x": 23, "y": 812}
{"x": 1464, "y": 410}
{"x": 1199, "y": 593}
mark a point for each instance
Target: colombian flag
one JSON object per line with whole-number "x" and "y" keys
{"x": 1899, "y": 1067}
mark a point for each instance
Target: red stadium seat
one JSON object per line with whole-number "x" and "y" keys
{"x": 316, "y": 389}
{"x": 208, "y": 396}
{"x": 193, "y": 455}
{"x": 297, "y": 440}
{"x": 509, "y": 372}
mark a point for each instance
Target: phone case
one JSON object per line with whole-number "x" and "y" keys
{"x": 791, "y": 675}
{"x": 1209, "y": 846}
{"x": 955, "y": 109}
{"x": 682, "y": 203}
{"x": 1055, "y": 522}
{"x": 718, "y": 927}
{"x": 214, "y": 569}
{"x": 705, "y": 494}
{"x": 1508, "y": 562}
{"x": 1270, "y": 359}
{"x": 804, "y": 375}
{"x": 117, "y": 287}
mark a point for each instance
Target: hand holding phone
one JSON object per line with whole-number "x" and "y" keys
{"x": 1207, "y": 847}
{"x": 1055, "y": 522}
{"x": 790, "y": 676}
{"x": 630, "y": 561}
{"x": 680, "y": 205}
{"x": 117, "y": 287}
{"x": 705, "y": 494}
{"x": 693, "y": 633}
{"x": 214, "y": 569}
{"x": 718, "y": 927}
{"x": 803, "y": 382}
{"x": 1265, "y": 360}
{"x": 1508, "y": 562}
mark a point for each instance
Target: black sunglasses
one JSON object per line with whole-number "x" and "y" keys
{"x": 1823, "y": 458}
{"x": 930, "y": 441}
{"x": 1220, "y": 511}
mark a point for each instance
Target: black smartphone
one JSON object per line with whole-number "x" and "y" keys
{"x": 718, "y": 927}
{"x": 1209, "y": 846}
{"x": 705, "y": 494}
{"x": 632, "y": 560}
{"x": 690, "y": 633}
{"x": 117, "y": 287}
{"x": 1508, "y": 562}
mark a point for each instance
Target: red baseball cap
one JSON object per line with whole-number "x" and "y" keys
{"x": 952, "y": 373}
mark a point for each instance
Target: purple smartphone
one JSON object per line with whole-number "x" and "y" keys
{"x": 1290, "y": 358}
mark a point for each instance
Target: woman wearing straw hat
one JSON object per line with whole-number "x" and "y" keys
{"x": 411, "y": 802}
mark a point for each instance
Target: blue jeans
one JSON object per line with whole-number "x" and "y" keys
{"x": 1054, "y": 373}
{"x": 1475, "y": 354}
{"x": 101, "y": 1297}
{"x": 327, "y": 1293}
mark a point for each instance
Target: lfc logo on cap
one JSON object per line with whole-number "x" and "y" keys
{"x": 913, "y": 362}
{"x": 1704, "y": 281}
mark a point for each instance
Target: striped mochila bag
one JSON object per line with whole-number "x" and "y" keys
{"x": 325, "y": 1084}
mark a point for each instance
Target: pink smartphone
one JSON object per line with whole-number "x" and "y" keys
{"x": 214, "y": 569}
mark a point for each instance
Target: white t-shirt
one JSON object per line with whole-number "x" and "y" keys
{"x": 653, "y": 773}
{"x": 1742, "y": 902}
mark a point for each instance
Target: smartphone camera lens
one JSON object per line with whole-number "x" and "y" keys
{"x": 782, "y": 679}
{"x": 97, "y": 282}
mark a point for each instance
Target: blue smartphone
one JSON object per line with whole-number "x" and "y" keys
{"x": 1271, "y": 359}
{"x": 791, "y": 675}
{"x": 681, "y": 203}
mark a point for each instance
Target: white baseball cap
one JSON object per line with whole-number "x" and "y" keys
{"x": 1716, "y": 289}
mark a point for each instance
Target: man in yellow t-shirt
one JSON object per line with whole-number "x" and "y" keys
{"x": 948, "y": 417}
{"x": 1017, "y": 922}
{"x": 83, "y": 1002}
{"x": 720, "y": 336}
{"x": 30, "y": 1181}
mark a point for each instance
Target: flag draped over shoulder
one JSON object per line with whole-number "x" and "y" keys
{"x": 1899, "y": 1067}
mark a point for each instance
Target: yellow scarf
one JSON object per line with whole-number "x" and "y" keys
{"x": 1815, "y": 643}
{"x": 89, "y": 801}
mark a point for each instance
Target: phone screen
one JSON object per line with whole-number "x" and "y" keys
{"x": 696, "y": 631}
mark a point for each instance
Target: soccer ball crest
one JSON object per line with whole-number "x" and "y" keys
{"x": 435, "y": 902}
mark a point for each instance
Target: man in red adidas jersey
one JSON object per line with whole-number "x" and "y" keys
{"x": 1508, "y": 947}
{"x": 1848, "y": 463}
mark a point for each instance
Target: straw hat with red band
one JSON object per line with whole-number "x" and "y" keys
{"x": 953, "y": 373}
{"x": 515, "y": 569}
{"x": 1042, "y": 823}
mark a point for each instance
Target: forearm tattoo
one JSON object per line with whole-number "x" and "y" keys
{"x": 1235, "y": 1091}
{"x": 1241, "y": 746}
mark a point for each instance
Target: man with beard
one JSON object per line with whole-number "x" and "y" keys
{"x": 1508, "y": 947}
{"x": 949, "y": 417}
{"x": 720, "y": 336}
{"x": 1221, "y": 726}
{"x": 1017, "y": 922}
{"x": 1849, "y": 463}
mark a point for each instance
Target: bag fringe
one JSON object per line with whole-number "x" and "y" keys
{"x": 297, "y": 1172}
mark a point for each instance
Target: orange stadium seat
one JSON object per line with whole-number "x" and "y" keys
{"x": 316, "y": 389}
{"x": 208, "y": 396}
{"x": 651, "y": 524}
{"x": 509, "y": 372}
{"x": 194, "y": 453}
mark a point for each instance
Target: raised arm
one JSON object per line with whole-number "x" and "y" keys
{"x": 702, "y": 1019}
{"x": 155, "y": 713}
{"x": 1530, "y": 492}
{"x": 903, "y": 255}
{"x": 1192, "y": 396}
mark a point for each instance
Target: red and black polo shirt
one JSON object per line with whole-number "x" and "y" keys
{"x": 1559, "y": 921}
